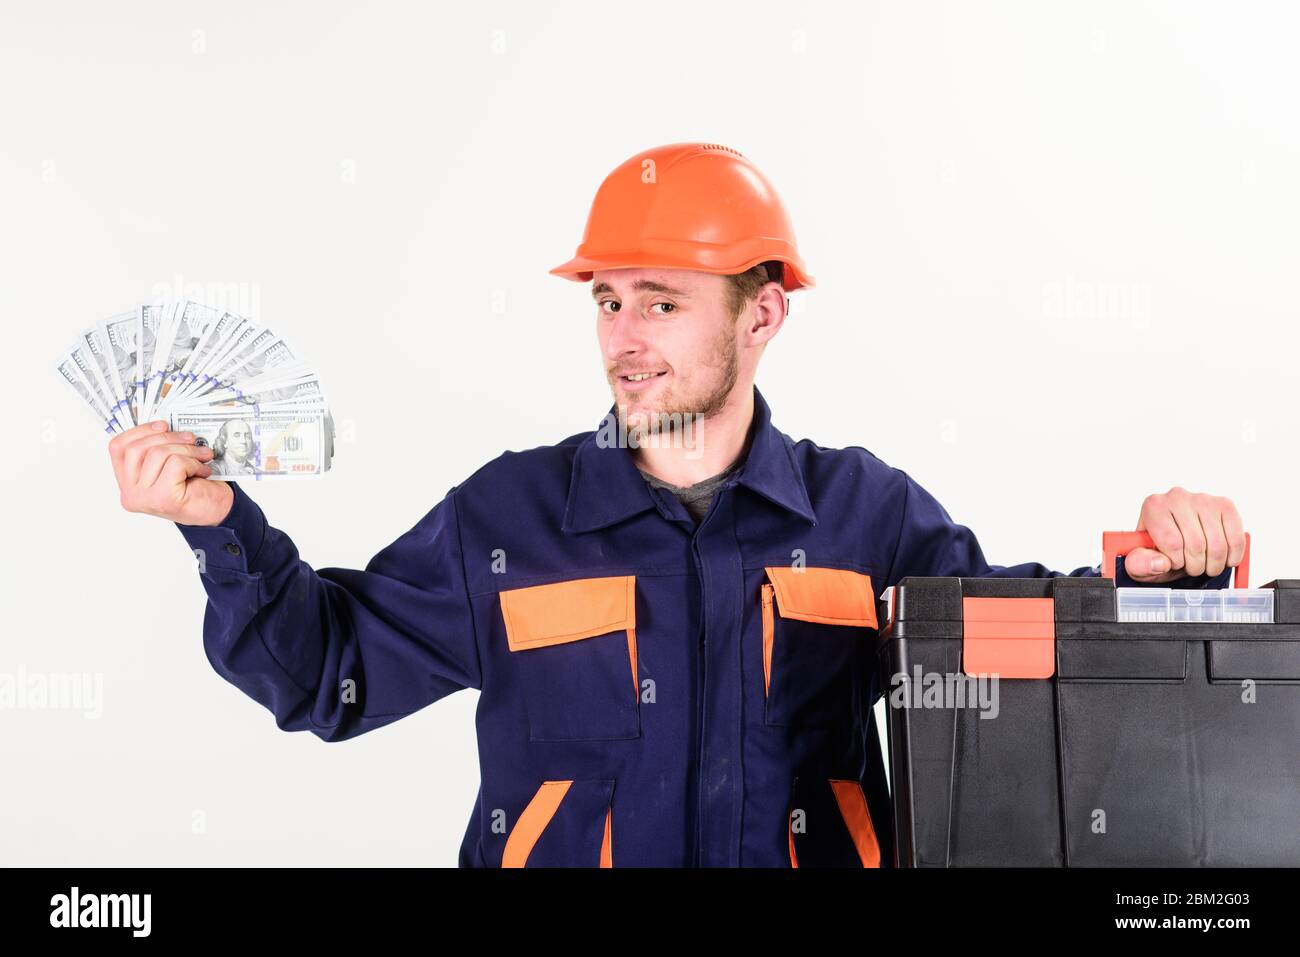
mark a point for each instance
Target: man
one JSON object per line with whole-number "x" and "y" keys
{"x": 672, "y": 639}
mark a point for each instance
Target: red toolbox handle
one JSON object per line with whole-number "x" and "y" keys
{"x": 1116, "y": 544}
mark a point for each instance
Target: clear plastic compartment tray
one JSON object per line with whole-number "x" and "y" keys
{"x": 1252, "y": 605}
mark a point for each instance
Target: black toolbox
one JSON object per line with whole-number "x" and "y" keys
{"x": 1165, "y": 732}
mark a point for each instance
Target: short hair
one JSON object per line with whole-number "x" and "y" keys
{"x": 744, "y": 286}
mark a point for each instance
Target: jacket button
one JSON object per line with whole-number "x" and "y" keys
{"x": 232, "y": 548}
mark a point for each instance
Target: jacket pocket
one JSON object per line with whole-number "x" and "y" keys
{"x": 813, "y": 643}
{"x": 566, "y": 824}
{"x": 830, "y": 825}
{"x": 575, "y": 646}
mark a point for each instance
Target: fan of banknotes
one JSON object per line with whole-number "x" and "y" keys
{"x": 232, "y": 382}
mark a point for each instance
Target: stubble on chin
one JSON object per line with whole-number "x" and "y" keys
{"x": 674, "y": 407}
{"x": 672, "y": 413}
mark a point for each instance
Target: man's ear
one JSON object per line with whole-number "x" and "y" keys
{"x": 767, "y": 313}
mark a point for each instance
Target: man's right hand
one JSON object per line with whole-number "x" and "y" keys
{"x": 165, "y": 474}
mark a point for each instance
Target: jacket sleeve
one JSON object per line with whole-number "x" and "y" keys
{"x": 931, "y": 543}
{"x": 336, "y": 651}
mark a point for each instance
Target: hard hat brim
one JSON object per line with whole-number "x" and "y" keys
{"x": 580, "y": 268}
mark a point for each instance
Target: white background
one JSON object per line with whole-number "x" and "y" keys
{"x": 1055, "y": 248}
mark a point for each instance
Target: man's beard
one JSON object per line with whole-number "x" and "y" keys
{"x": 675, "y": 411}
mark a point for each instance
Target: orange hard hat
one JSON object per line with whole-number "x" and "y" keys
{"x": 687, "y": 206}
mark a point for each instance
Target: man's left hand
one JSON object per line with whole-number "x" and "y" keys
{"x": 1194, "y": 534}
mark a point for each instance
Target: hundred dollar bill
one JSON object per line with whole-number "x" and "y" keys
{"x": 189, "y": 324}
{"x": 71, "y": 375}
{"x": 119, "y": 335}
{"x": 215, "y": 333}
{"x": 161, "y": 321}
{"x": 252, "y": 352}
{"x": 288, "y": 443}
{"x": 83, "y": 362}
{"x": 149, "y": 321}
{"x": 305, "y": 389}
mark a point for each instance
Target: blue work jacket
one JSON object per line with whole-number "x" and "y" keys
{"x": 651, "y": 692}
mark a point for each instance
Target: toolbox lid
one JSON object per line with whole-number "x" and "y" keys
{"x": 1171, "y": 604}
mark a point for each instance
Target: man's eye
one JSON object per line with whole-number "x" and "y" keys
{"x": 668, "y": 304}
{"x": 609, "y": 302}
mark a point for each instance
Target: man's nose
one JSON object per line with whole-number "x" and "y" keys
{"x": 624, "y": 336}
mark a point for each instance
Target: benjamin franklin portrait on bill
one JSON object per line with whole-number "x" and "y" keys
{"x": 233, "y": 449}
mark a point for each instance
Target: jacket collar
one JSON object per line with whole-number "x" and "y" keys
{"x": 605, "y": 486}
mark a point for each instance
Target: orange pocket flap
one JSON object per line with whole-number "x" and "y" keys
{"x": 830, "y": 596}
{"x": 545, "y": 615}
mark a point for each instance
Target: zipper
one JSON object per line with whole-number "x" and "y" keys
{"x": 769, "y": 633}
{"x": 701, "y": 669}
{"x": 699, "y": 699}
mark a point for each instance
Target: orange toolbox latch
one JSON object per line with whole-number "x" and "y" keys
{"x": 1009, "y": 637}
